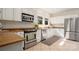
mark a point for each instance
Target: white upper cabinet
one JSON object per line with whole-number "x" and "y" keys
{"x": 7, "y": 13}
{"x": 29, "y": 11}
{"x": 0, "y": 12}
{"x": 11, "y": 14}
{"x": 17, "y": 14}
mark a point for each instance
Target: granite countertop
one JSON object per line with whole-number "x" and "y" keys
{"x": 8, "y": 38}
{"x": 59, "y": 26}
{"x": 16, "y": 25}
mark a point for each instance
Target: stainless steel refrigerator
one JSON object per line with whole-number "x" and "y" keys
{"x": 69, "y": 28}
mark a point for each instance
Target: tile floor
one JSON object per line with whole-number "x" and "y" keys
{"x": 60, "y": 45}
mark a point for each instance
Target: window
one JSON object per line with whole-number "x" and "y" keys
{"x": 46, "y": 21}
{"x": 40, "y": 20}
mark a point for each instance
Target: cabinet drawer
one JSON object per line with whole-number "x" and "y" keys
{"x": 77, "y": 36}
{"x": 70, "y": 35}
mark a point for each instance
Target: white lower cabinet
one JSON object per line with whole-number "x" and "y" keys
{"x": 51, "y": 32}
{"x": 60, "y": 32}
{"x": 13, "y": 47}
{"x": 38, "y": 35}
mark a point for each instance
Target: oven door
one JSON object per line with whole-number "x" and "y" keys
{"x": 30, "y": 36}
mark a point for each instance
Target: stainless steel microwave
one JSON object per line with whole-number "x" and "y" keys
{"x": 27, "y": 17}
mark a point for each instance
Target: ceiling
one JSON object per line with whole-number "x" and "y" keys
{"x": 59, "y": 11}
{"x": 54, "y": 10}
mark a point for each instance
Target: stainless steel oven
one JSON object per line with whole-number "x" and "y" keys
{"x": 30, "y": 34}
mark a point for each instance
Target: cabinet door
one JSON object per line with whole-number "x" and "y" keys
{"x": 17, "y": 14}
{"x": 29, "y": 11}
{"x": 65, "y": 24}
{"x": 72, "y": 24}
{"x": 69, "y": 24}
{"x": 38, "y": 35}
{"x": 77, "y": 24}
{"x": 7, "y": 13}
{"x": 0, "y": 13}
